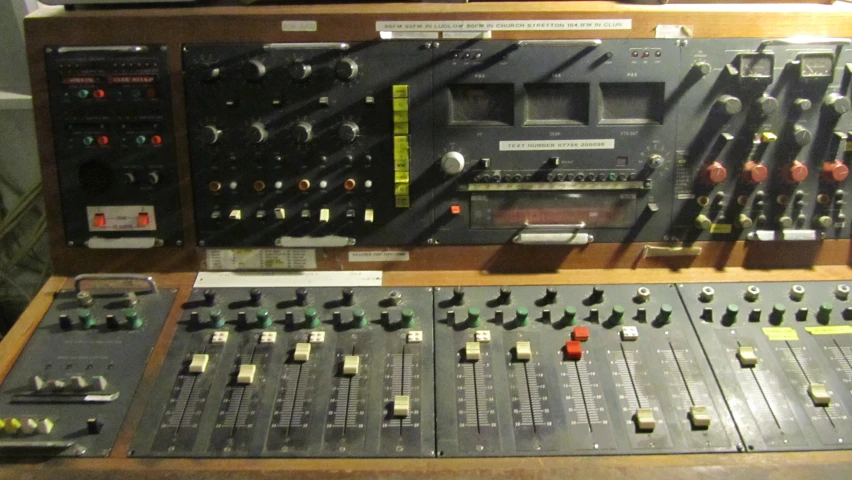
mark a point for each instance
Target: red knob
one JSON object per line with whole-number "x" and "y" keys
{"x": 754, "y": 172}
{"x": 797, "y": 172}
{"x": 715, "y": 173}
{"x": 835, "y": 171}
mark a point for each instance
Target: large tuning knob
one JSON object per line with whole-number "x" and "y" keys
{"x": 348, "y": 131}
{"x": 346, "y": 69}
{"x": 300, "y": 71}
{"x": 258, "y": 133}
{"x": 255, "y": 69}
{"x": 210, "y": 134}
{"x": 303, "y": 132}
{"x": 452, "y": 163}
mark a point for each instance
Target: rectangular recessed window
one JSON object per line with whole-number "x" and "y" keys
{"x": 482, "y": 104}
{"x": 556, "y": 104}
{"x": 640, "y": 103}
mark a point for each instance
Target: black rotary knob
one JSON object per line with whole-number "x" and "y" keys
{"x": 458, "y": 296}
{"x": 256, "y": 296}
{"x": 348, "y": 296}
{"x": 302, "y": 296}
{"x": 255, "y": 69}
{"x": 300, "y": 71}
{"x": 210, "y": 134}
{"x": 303, "y": 132}
{"x": 257, "y": 133}
{"x": 597, "y": 294}
{"x": 211, "y": 297}
{"x": 346, "y": 69}
{"x": 550, "y": 295}
{"x": 348, "y": 131}
{"x": 505, "y": 295}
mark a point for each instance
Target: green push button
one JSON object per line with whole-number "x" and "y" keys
{"x": 522, "y": 316}
{"x": 141, "y": 140}
{"x": 83, "y": 93}
{"x": 617, "y": 313}
{"x": 263, "y": 318}
{"x": 612, "y": 177}
{"x": 88, "y": 140}
{"x": 473, "y": 319}
{"x": 87, "y": 321}
{"x": 407, "y": 317}
{"x": 570, "y": 314}
{"x": 311, "y": 317}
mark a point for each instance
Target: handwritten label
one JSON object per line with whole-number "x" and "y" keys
{"x": 591, "y": 144}
{"x": 485, "y": 25}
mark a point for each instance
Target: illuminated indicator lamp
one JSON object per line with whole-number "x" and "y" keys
{"x": 215, "y": 186}
{"x": 156, "y": 140}
{"x": 349, "y": 184}
{"x": 99, "y": 220}
{"x": 455, "y": 209}
{"x": 103, "y": 140}
{"x": 143, "y": 220}
{"x": 304, "y": 184}
{"x": 88, "y": 140}
{"x": 141, "y": 140}
{"x": 99, "y": 93}
{"x": 646, "y": 54}
{"x": 259, "y": 186}
{"x": 634, "y": 53}
{"x": 83, "y": 93}
{"x": 658, "y": 53}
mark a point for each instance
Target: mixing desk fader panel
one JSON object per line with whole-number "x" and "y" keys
{"x": 320, "y": 372}
{"x": 782, "y": 353}
{"x": 73, "y": 383}
{"x": 577, "y": 370}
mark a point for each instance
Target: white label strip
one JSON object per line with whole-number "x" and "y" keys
{"x": 673, "y": 31}
{"x": 299, "y": 26}
{"x": 262, "y": 259}
{"x": 394, "y": 256}
{"x": 524, "y": 145}
{"x": 408, "y": 35}
{"x": 466, "y": 35}
{"x": 355, "y": 278}
{"x": 484, "y": 25}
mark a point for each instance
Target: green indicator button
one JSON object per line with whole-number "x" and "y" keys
{"x": 359, "y": 317}
{"x": 612, "y": 177}
{"x": 522, "y": 315}
{"x": 141, "y": 140}
{"x": 473, "y": 317}
{"x": 88, "y": 140}
{"x": 311, "y": 317}
{"x": 407, "y": 317}
{"x": 83, "y": 93}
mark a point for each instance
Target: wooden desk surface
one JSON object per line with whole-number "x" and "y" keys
{"x": 798, "y": 465}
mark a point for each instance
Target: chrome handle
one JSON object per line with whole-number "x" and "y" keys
{"x": 306, "y": 46}
{"x": 805, "y": 41}
{"x": 117, "y": 48}
{"x": 79, "y": 279}
{"x": 571, "y": 226}
{"x": 574, "y": 238}
{"x": 560, "y": 43}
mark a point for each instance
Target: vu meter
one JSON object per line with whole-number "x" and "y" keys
{"x": 816, "y": 65}
{"x": 756, "y": 66}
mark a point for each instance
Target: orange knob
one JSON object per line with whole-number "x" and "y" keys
{"x": 797, "y": 172}
{"x": 715, "y": 173}
{"x": 754, "y": 172}
{"x": 835, "y": 171}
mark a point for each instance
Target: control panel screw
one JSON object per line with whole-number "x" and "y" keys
{"x": 201, "y": 243}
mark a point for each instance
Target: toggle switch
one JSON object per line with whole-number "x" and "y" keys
{"x": 199, "y": 363}
{"x": 302, "y": 352}
{"x": 368, "y": 215}
{"x": 94, "y": 426}
{"x": 245, "y": 376}
{"x": 28, "y": 426}
{"x": 45, "y": 426}
{"x": 472, "y": 351}
{"x": 523, "y": 351}
{"x": 280, "y": 213}
{"x": 236, "y": 214}
{"x": 401, "y": 406}
{"x": 79, "y": 383}
{"x": 324, "y": 215}
{"x": 747, "y": 356}
{"x": 351, "y": 364}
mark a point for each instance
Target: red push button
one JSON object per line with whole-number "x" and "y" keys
{"x": 581, "y": 334}
{"x": 99, "y": 93}
{"x": 156, "y": 140}
{"x": 573, "y": 350}
{"x": 455, "y": 209}
{"x": 835, "y": 171}
{"x": 103, "y": 140}
{"x": 99, "y": 221}
{"x": 143, "y": 220}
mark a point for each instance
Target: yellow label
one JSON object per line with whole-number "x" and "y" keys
{"x": 780, "y": 334}
{"x": 400, "y": 177}
{"x": 400, "y": 165}
{"x": 400, "y": 147}
{"x": 720, "y": 228}
{"x": 400, "y": 104}
{"x": 400, "y": 117}
{"x": 835, "y": 330}
{"x": 400, "y": 189}
{"x": 400, "y": 128}
{"x": 403, "y": 202}
{"x": 400, "y": 91}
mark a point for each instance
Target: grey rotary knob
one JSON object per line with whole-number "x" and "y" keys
{"x": 801, "y": 135}
{"x": 768, "y": 105}
{"x": 837, "y": 103}
{"x": 348, "y": 131}
{"x": 452, "y": 163}
{"x": 210, "y": 134}
{"x": 300, "y": 71}
{"x": 258, "y": 133}
{"x": 303, "y": 132}
{"x": 730, "y": 104}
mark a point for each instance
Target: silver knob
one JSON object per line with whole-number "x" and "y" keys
{"x": 768, "y": 105}
{"x": 258, "y": 133}
{"x": 346, "y": 69}
{"x": 256, "y": 69}
{"x": 210, "y": 134}
{"x": 452, "y": 163}
{"x": 802, "y": 104}
{"x": 348, "y": 131}
{"x": 703, "y": 68}
{"x": 730, "y": 104}
{"x": 300, "y": 71}
{"x": 801, "y": 135}
{"x": 837, "y": 103}
{"x": 304, "y": 132}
